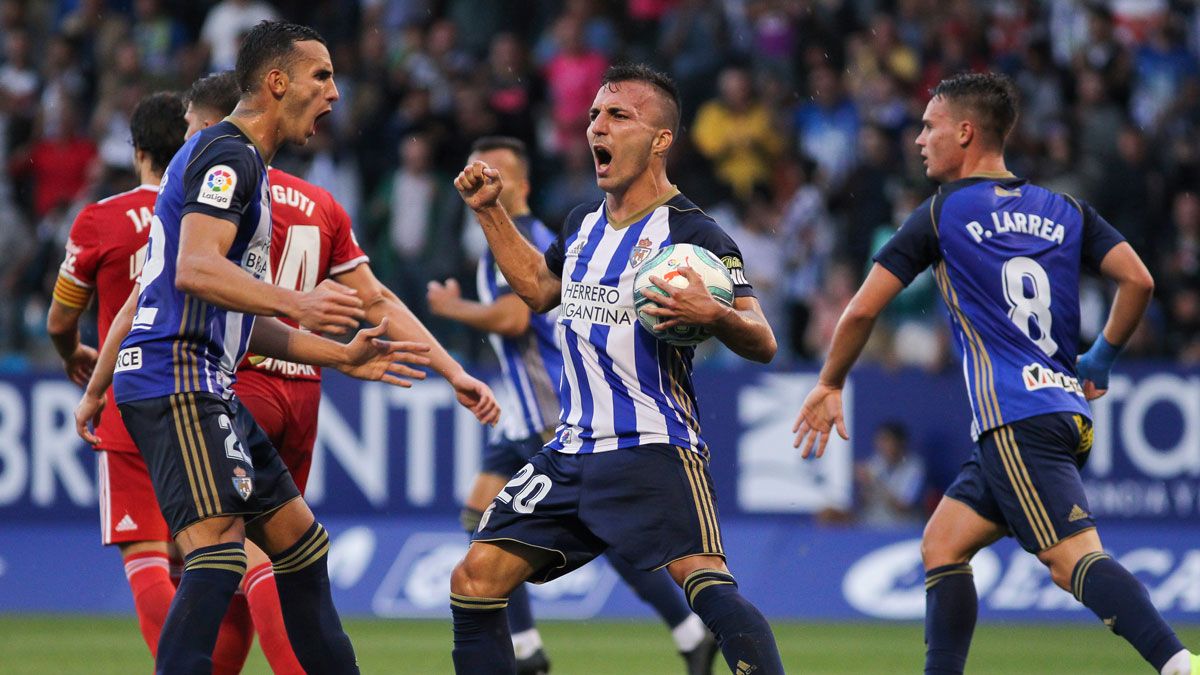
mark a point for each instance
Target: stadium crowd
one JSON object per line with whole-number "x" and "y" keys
{"x": 799, "y": 121}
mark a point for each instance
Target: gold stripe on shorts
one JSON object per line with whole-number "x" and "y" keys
{"x": 710, "y": 529}
{"x": 181, "y": 424}
{"x": 202, "y": 452}
{"x": 1018, "y": 474}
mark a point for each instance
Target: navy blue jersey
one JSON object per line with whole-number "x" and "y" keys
{"x": 1007, "y": 256}
{"x": 622, "y": 387}
{"x": 179, "y": 343}
{"x": 531, "y": 362}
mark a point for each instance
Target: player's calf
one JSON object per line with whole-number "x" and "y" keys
{"x": 211, "y": 575}
{"x": 744, "y": 634}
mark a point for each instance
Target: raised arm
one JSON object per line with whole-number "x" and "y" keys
{"x": 521, "y": 263}
{"x": 382, "y": 304}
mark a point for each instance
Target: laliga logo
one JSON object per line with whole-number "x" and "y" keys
{"x": 675, "y": 271}
{"x": 218, "y": 180}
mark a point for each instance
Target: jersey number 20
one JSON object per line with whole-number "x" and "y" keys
{"x": 1027, "y": 289}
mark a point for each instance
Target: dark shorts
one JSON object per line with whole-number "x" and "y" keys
{"x": 650, "y": 505}
{"x": 1025, "y": 475}
{"x": 207, "y": 458}
{"x": 505, "y": 456}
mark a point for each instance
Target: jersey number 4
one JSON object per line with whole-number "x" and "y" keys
{"x": 1027, "y": 289}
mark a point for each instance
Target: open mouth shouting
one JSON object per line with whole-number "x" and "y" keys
{"x": 603, "y": 158}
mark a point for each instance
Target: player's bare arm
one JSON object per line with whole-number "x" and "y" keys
{"x": 62, "y": 324}
{"x": 91, "y": 404}
{"x": 366, "y": 357}
{"x": 381, "y": 304}
{"x": 742, "y": 328}
{"x": 204, "y": 271}
{"x": 822, "y": 409}
{"x": 521, "y": 263}
{"x": 1135, "y": 287}
{"x": 507, "y": 316}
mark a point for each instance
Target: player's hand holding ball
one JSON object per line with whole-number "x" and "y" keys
{"x": 368, "y": 357}
{"x": 479, "y": 185}
{"x": 680, "y": 292}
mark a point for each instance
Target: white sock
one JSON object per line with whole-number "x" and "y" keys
{"x": 689, "y": 633}
{"x": 526, "y": 643}
{"x": 1180, "y": 664}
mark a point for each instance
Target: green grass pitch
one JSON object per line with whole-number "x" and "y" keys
{"x": 93, "y": 645}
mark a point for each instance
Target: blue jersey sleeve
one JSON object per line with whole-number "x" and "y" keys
{"x": 556, "y": 253}
{"x": 1099, "y": 237}
{"x": 221, "y": 179}
{"x": 913, "y": 248}
{"x": 701, "y": 230}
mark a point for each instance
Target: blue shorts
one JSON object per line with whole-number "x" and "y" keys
{"x": 506, "y": 456}
{"x": 207, "y": 457}
{"x": 1025, "y": 475}
{"x": 651, "y": 505}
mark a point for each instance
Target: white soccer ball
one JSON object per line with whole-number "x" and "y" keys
{"x": 666, "y": 264}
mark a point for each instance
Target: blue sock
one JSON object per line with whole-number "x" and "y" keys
{"x": 313, "y": 626}
{"x": 482, "y": 643}
{"x": 1121, "y": 602}
{"x": 656, "y": 589}
{"x": 210, "y": 577}
{"x": 951, "y": 606}
{"x": 744, "y": 635}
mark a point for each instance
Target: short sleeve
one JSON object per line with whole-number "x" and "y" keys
{"x": 701, "y": 230}
{"x": 346, "y": 253}
{"x": 913, "y": 248}
{"x": 221, "y": 179}
{"x": 1099, "y": 237}
{"x": 556, "y": 252}
{"x": 77, "y": 273}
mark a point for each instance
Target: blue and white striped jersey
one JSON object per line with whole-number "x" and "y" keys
{"x": 621, "y": 386}
{"x": 179, "y": 343}
{"x": 531, "y": 362}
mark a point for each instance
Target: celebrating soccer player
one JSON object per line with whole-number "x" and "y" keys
{"x": 528, "y": 352}
{"x": 626, "y": 470}
{"x": 1007, "y": 256}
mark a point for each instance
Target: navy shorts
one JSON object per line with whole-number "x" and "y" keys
{"x": 207, "y": 457}
{"x": 650, "y": 505}
{"x": 506, "y": 456}
{"x": 1025, "y": 475}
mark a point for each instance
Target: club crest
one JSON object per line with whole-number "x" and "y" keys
{"x": 640, "y": 252}
{"x": 242, "y": 483}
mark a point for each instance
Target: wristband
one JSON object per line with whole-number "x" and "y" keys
{"x": 1096, "y": 364}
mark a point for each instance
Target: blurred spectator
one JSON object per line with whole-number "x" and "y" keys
{"x": 58, "y": 161}
{"x": 572, "y": 77}
{"x": 1163, "y": 66}
{"x": 827, "y": 125}
{"x": 735, "y": 132}
{"x": 158, "y": 37}
{"x": 226, "y": 23}
{"x": 692, "y": 43}
{"x": 574, "y": 183}
{"x": 837, "y": 288}
{"x": 1130, "y": 191}
{"x": 891, "y": 483}
{"x": 866, "y": 196}
{"x": 514, "y": 88}
{"x": 807, "y": 234}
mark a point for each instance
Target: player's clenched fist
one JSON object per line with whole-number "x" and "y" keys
{"x": 330, "y": 308}
{"x": 479, "y": 185}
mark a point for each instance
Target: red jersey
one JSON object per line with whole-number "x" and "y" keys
{"x": 105, "y": 252}
{"x": 311, "y": 240}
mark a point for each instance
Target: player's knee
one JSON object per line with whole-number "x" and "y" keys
{"x": 468, "y": 579}
{"x": 938, "y": 548}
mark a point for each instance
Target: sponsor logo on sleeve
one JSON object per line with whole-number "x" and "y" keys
{"x": 217, "y": 188}
{"x": 736, "y": 270}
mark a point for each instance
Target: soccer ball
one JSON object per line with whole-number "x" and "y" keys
{"x": 666, "y": 264}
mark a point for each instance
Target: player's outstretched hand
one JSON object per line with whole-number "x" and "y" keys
{"x": 79, "y": 366}
{"x": 477, "y": 397}
{"x": 370, "y": 358}
{"x": 442, "y": 296}
{"x": 88, "y": 410}
{"x": 692, "y": 305}
{"x": 821, "y": 412}
{"x": 330, "y": 308}
{"x": 479, "y": 185}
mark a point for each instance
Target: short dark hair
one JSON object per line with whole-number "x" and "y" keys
{"x": 640, "y": 72}
{"x": 218, "y": 92}
{"x": 514, "y": 145}
{"x": 990, "y": 97}
{"x": 157, "y": 127}
{"x": 269, "y": 45}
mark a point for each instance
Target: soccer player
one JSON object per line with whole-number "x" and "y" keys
{"x": 1007, "y": 256}
{"x": 215, "y": 474}
{"x": 528, "y": 353}
{"x": 311, "y": 241}
{"x": 627, "y": 469}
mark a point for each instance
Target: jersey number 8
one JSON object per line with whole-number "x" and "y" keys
{"x": 1030, "y": 312}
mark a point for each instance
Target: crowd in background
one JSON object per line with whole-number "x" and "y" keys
{"x": 799, "y": 118}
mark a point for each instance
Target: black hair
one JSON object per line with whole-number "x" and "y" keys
{"x": 269, "y": 45}
{"x": 895, "y": 429}
{"x": 218, "y": 92}
{"x": 157, "y": 127}
{"x": 640, "y": 72}
{"x": 514, "y": 145}
{"x": 991, "y": 98}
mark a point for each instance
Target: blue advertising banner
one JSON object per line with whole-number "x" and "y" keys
{"x": 414, "y": 452}
{"x": 400, "y": 567}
